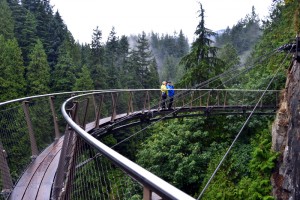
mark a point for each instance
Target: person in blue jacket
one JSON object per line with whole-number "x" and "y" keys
{"x": 171, "y": 94}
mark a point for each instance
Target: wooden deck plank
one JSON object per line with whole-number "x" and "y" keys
{"x": 46, "y": 185}
{"x": 20, "y": 188}
{"x": 36, "y": 181}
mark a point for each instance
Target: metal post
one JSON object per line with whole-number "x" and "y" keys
{"x": 160, "y": 102}
{"x": 192, "y": 96}
{"x": 225, "y": 99}
{"x": 34, "y": 149}
{"x": 94, "y": 103}
{"x": 56, "y": 129}
{"x": 146, "y": 101}
{"x": 99, "y": 112}
{"x": 218, "y": 98}
{"x": 130, "y": 105}
{"x": 63, "y": 159}
{"x": 146, "y": 193}
{"x": 59, "y": 178}
{"x": 208, "y": 95}
{"x": 200, "y": 98}
{"x": 7, "y": 183}
{"x": 85, "y": 113}
{"x": 114, "y": 106}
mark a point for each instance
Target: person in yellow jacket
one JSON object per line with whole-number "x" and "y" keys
{"x": 164, "y": 94}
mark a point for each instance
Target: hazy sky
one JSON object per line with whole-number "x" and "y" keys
{"x": 160, "y": 16}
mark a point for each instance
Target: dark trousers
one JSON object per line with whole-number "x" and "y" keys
{"x": 170, "y": 102}
{"x": 163, "y": 100}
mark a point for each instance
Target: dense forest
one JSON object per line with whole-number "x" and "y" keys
{"x": 39, "y": 55}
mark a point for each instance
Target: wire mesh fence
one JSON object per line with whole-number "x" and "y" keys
{"x": 30, "y": 125}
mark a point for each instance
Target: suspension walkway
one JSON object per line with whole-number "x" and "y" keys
{"x": 39, "y": 162}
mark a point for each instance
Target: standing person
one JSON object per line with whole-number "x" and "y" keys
{"x": 171, "y": 94}
{"x": 164, "y": 94}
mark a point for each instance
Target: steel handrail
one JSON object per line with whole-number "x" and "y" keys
{"x": 156, "y": 184}
{"x": 45, "y": 95}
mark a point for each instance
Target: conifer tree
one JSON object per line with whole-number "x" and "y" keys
{"x": 58, "y": 35}
{"x": 229, "y": 55}
{"x": 42, "y": 10}
{"x": 182, "y": 45}
{"x": 153, "y": 80}
{"x": 6, "y": 20}
{"x": 28, "y": 36}
{"x": 142, "y": 58}
{"x": 122, "y": 60}
{"x": 84, "y": 81}
{"x": 201, "y": 62}
{"x": 64, "y": 71}
{"x": 169, "y": 69}
{"x": 38, "y": 71}
{"x": 111, "y": 50}
{"x": 98, "y": 72}
{"x": 97, "y": 47}
{"x": 12, "y": 82}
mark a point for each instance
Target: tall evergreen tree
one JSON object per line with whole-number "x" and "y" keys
{"x": 58, "y": 35}
{"x": 142, "y": 59}
{"x": 64, "y": 71}
{"x": 201, "y": 62}
{"x": 98, "y": 72}
{"x": 84, "y": 81}
{"x": 6, "y": 20}
{"x": 42, "y": 10}
{"x": 111, "y": 56}
{"x": 12, "y": 82}
{"x": 153, "y": 80}
{"x": 122, "y": 60}
{"x": 28, "y": 36}
{"x": 97, "y": 47}
{"x": 38, "y": 71}
{"x": 169, "y": 69}
{"x": 229, "y": 55}
{"x": 182, "y": 45}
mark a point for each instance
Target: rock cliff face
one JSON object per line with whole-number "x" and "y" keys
{"x": 286, "y": 139}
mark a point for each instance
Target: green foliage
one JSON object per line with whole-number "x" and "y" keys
{"x": 84, "y": 81}
{"x": 243, "y": 35}
{"x": 38, "y": 71}
{"x": 168, "y": 50}
{"x": 28, "y": 37}
{"x": 230, "y": 56}
{"x": 6, "y": 20}
{"x": 174, "y": 152}
{"x": 12, "y": 83}
{"x": 201, "y": 62}
{"x": 64, "y": 72}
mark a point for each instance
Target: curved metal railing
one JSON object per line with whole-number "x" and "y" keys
{"x": 148, "y": 181}
{"x": 30, "y": 124}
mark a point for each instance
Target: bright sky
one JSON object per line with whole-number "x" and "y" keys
{"x": 160, "y": 16}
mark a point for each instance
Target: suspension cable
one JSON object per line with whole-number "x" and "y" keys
{"x": 240, "y": 131}
{"x": 229, "y": 72}
{"x": 268, "y": 55}
{"x": 162, "y": 118}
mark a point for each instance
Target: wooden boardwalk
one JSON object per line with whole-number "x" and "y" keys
{"x": 37, "y": 181}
